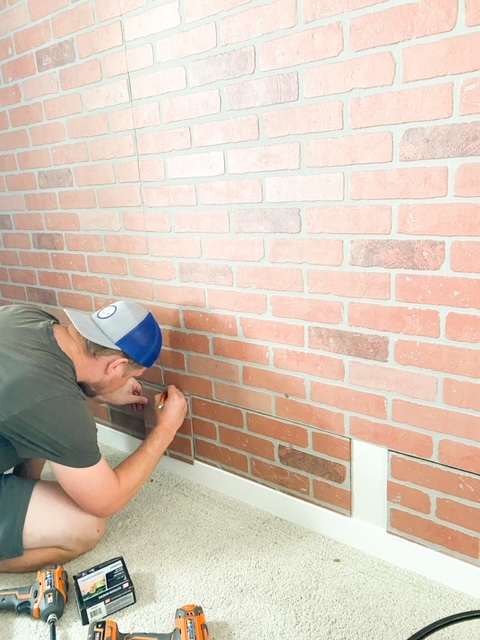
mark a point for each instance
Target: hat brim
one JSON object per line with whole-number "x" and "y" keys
{"x": 88, "y": 329}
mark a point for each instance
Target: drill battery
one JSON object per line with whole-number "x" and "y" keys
{"x": 103, "y": 590}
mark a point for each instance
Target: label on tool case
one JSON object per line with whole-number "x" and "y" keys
{"x": 103, "y": 589}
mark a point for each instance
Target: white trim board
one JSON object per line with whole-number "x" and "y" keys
{"x": 363, "y": 532}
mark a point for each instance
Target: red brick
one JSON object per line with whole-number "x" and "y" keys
{"x": 273, "y": 157}
{"x": 464, "y": 328}
{"x": 19, "y": 68}
{"x": 238, "y": 302}
{"x": 8, "y": 163}
{"x": 144, "y": 268}
{"x": 467, "y": 180}
{"x": 41, "y": 201}
{"x": 239, "y": 350}
{"x": 470, "y": 97}
{"x": 279, "y": 383}
{"x": 147, "y": 115}
{"x": 88, "y": 126}
{"x": 308, "y": 309}
{"x": 278, "y": 476}
{"x": 251, "y": 444}
{"x": 302, "y": 47}
{"x": 392, "y": 437}
{"x": 210, "y": 164}
{"x": 348, "y": 399}
{"x": 262, "y": 92}
{"x": 124, "y": 62}
{"x": 270, "y": 278}
{"x": 48, "y": 241}
{"x": 17, "y": 241}
{"x": 93, "y": 284}
{"x": 198, "y": 9}
{"x": 95, "y": 174}
{"x": 278, "y": 430}
{"x": 398, "y": 24}
{"x": 164, "y": 141}
{"x": 350, "y": 284}
{"x": 259, "y": 21}
{"x": 459, "y": 455}
{"x": 437, "y": 290}
{"x": 325, "y": 116}
{"x": 107, "y": 95}
{"x": 40, "y": 86}
{"x": 32, "y": 37}
{"x": 278, "y": 332}
{"x": 402, "y": 382}
{"x": 84, "y": 242}
{"x": 377, "y": 70}
{"x": 114, "y": 147}
{"x": 81, "y": 75}
{"x": 212, "y": 323}
{"x": 465, "y": 257}
{"x": 55, "y": 178}
{"x": 10, "y": 95}
{"x": 107, "y": 265}
{"x": 231, "y": 192}
{"x": 152, "y": 21}
{"x": 14, "y": 19}
{"x": 326, "y": 186}
{"x": 55, "y": 55}
{"x": 73, "y": 21}
{"x": 28, "y": 221}
{"x": 191, "y": 107}
{"x": 461, "y": 394}
{"x": 221, "y": 456}
{"x": 37, "y": 259}
{"x": 21, "y": 182}
{"x": 314, "y": 465}
{"x": 214, "y": 368}
{"x": 350, "y": 150}
{"x": 187, "y": 43}
{"x": 332, "y": 495}
{"x": 119, "y": 197}
{"x": 458, "y": 219}
{"x": 22, "y": 276}
{"x": 365, "y": 219}
{"x": 48, "y": 133}
{"x": 159, "y": 83}
{"x": 314, "y": 10}
{"x": 408, "y": 105}
{"x": 12, "y": 292}
{"x": 69, "y": 262}
{"x": 175, "y": 196}
{"x": 207, "y": 274}
{"x": 234, "y": 249}
{"x": 331, "y": 446}
{"x": 356, "y": 345}
{"x": 7, "y": 48}
{"x": 60, "y": 107}
{"x": 55, "y": 280}
{"x": 433, "y": 533}
{"x": 40, "y": 8}
{"x": 137, "y": 290}
{"x": 146, "y": 221}
{"x": 12, "y": 203}
{"x": 266, "y": 220}
{"x": 102, "y": 39}
{"x": 445, "y": 141}
{"x": 26, "y": 115}
{"x": 70, "y": 153}
{"x": 458, "y": 514}
{"x": 448, "y": 56}
{"x": 215, "y": 221}
{"x": 433, "y": 419}
{"x": 41, "y": 296}
{"x": 224, "y": 66}
{"x": 226, "y": 131}
{"x": 312, "y": 364}
{"x": 218, "y": 412}
{"x": 418, "y": 182}
{"x": 77, "y": 199}
{"x": 398, "y": 254}
{"x": 409, "y": 498}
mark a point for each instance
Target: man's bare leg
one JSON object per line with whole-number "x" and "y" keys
{"x": 56, "y": 530}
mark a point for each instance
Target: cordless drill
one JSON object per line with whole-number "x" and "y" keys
{"x": 189, "y": 625}
{"x": 45, "y": 599}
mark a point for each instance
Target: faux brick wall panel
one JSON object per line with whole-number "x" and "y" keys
{"x": 291, "y": 187}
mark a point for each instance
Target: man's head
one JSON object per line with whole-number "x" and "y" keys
{"x": 124, "y": 327}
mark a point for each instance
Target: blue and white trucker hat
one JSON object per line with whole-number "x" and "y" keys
{"x": 122, "y": 325}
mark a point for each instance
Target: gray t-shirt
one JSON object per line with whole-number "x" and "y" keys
{"x": 43, "y": 412}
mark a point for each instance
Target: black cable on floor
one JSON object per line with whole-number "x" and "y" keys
{"x": 444, "y": 622}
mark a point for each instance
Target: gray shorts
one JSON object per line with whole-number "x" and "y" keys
{"x": 15, "y": 494}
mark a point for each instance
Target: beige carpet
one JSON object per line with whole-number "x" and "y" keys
{"x": 256, "y": 576}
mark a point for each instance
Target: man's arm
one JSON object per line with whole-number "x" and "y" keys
{"x": 103, "y": 491}
{"x": 30, "y": 468}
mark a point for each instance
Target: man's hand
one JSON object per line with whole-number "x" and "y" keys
{"x": 174, "y": 410}
{"x": 130, "y": 393}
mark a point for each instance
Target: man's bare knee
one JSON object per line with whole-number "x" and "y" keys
{"x": 91, "y": 534}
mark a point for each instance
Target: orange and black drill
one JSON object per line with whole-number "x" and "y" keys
{"x": 189, "y": 625}
{"x": 44, "y": 600}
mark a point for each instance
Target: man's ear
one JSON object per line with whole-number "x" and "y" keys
{"x": 116, "y": 365}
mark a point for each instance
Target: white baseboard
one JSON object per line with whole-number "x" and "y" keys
{"x": 356, "y": 532}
